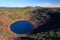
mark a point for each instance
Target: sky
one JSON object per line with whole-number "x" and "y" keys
{"x": 24, "y": 3}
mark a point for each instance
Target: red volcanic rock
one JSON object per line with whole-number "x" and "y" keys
{"x": 6, "y": 25}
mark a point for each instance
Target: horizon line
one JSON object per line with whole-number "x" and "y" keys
{"x": 27, "y": 6}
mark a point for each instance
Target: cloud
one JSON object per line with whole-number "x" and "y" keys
{"x": 48, "y": 5}
{"x": 11, "y": 5}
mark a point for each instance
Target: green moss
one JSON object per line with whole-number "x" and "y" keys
{"x": 1, "y": 23}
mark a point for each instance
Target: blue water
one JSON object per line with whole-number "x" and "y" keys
{"x": 22, "y": 27}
